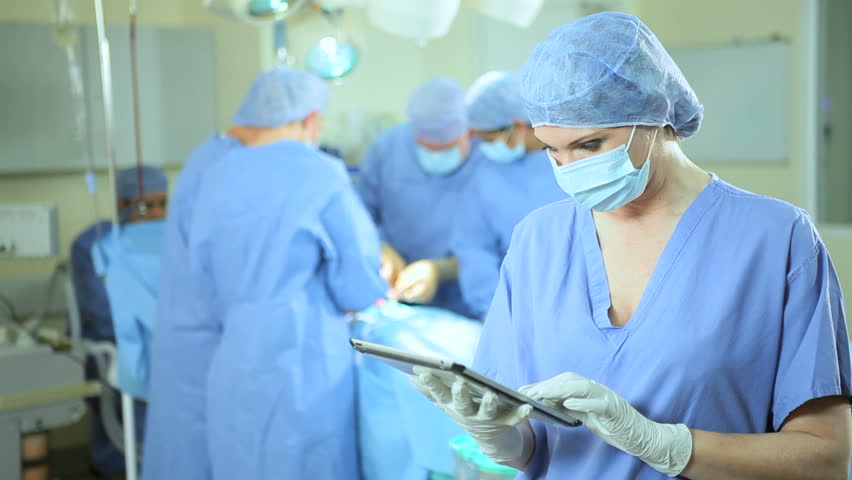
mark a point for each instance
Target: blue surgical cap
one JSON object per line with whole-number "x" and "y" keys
{"x": 494, "y": 101}
{"x": 607, "y": 70}
{"x": 437, "y": 111}
{"x": 127, "y": 182}
{"x": 282, "y": 95}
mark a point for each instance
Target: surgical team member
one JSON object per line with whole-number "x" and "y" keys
{"x": 91, "y": 293}
{"x": 513, "y": 179}
{"x": 696, "y": 329}
{"x": 183, "y": 342}
{"x": 280, "y": 248}
{"x": 412, "y": 181}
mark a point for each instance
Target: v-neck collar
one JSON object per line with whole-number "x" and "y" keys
{"x": 599, "y": 291}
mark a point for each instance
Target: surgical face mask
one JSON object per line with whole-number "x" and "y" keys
{"x": 606, "y": 181}
{"x": 439, "y": 162}
{"x": 498, "y": 151}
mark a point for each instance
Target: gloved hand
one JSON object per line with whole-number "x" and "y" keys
{"x": 666, "y": 447}
{"x": 391, "y": 264}
{"x": 495, "y": 429}
{"x": 418, "y": 282}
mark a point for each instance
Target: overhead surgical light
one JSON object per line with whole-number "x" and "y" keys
{"x": 255, "y": 11}
{"x": 332, "y": 57}
{"x": 268, "y": 8}
{"x": 333, "y": 4}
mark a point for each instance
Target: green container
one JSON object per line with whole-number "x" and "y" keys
{"x": 464, "y": 449}
{"x": 489, "y": 470}
{"x": 471, "y": 464}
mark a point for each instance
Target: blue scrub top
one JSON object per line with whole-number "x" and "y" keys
{"x": 183, "y": 340}
{"x": 415, "y": 211}
{"x": 741, "y": 323}
{"x": 500, "y": 196}
{"x": 282, "y": 246}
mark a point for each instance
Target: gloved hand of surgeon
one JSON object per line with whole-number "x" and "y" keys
{"x": 666, "y": 447}
{"x": 418, "y": 282}
{"x": 392, "y": 264}
{"x": 495, "y": 429}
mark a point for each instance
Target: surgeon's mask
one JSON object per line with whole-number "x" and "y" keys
{"x": 440, "y": 162}
{"x": 499, "y": 151}
{"x": 606, "y": 181}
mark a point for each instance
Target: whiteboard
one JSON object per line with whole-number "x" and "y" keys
{"x": 747, "y": 99}
{"x": 177, "y": 97}
{"x": 37, "y": 124}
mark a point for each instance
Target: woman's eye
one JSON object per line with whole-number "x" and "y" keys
{"x": 592, "y": 146}
{"x": 548, "y": 148}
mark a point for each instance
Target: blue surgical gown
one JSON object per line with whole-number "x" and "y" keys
{"x": 741, "y": 323}
{"x": 183, "y": 341}
{"x": 415, "y": 211}
{"x": 281, "y": 246}
{"x": 500, "y": 197}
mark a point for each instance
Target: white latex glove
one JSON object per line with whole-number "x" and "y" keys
{"x": 391, "y": 264}
{"x": 495, "y": 429}
{"x": 666, "y": 447}
{"x": 418, "y": 282}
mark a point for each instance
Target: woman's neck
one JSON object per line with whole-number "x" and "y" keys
{"x": 674, "y": 184}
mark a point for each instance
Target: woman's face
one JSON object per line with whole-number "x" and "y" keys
{"x": 569, "y": 145}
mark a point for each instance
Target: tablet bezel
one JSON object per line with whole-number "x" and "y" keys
{"x": 404, "y": 361}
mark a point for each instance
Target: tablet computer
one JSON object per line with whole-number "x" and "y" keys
{"x": 447, "y": 372}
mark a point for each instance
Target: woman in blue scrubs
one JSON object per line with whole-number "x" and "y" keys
{"x": 696, "y": 329}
